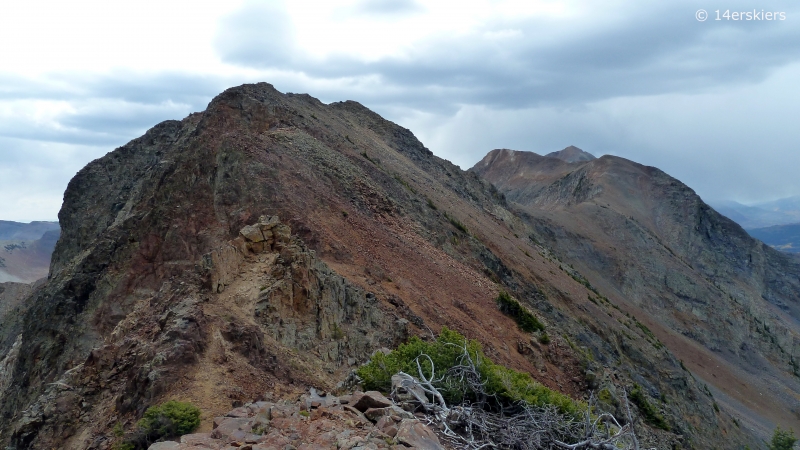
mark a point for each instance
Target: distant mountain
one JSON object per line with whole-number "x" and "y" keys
{"x": 25, "y": 250}
{"x": 760, "y": 215}
{"x": 785, "y": 238}
{"x": 571, "y": 154}
{"x": 16, "y": 231}
{"x": 724, "y": 303}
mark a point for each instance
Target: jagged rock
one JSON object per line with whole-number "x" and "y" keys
{"x": 415, "y": 434}
{"x": 252, "y": 233}
{"x": 374, "y": 414}
{"x": 315, "y": 400}
{"x": 166, "y": 445}
{"x": 202, "y": 440}
{"x": 239, "y": 412}
{"x": 231, "y": 427}
{"x": 388, "y": 425}
{"x": 363, "y": 401}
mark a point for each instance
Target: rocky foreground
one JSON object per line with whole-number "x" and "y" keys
{"x": 362, "y": 420}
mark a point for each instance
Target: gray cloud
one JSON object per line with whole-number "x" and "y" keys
{"x": 106, "y": 110}
{"x": 647, "y": 82}
{"x": 652, "y": 49}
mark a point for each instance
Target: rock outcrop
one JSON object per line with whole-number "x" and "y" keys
{"x": 342, "y": 423}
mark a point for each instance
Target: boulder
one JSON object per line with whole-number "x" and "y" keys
{"x": 414, "y": 433}
{"x": 240, "y": 412}
{"x": 282, "y": 233}
{"x": 252, "y": 233}
{"x": 374, "y": 414}
{"x": 166, "y": 445}
{"x": 201, "y": 440}
{"x": 231, "y": 428}
{"x": 363, "y": 401}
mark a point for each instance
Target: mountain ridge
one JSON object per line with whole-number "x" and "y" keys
{"x": 658, "y": 247}
{"x": 160, "y": 288}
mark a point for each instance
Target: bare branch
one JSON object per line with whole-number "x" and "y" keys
{"x": 483, "y": 421}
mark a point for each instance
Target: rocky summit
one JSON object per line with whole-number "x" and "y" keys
{"x": 722, "y": 302}
{"x": 272, "y": 244}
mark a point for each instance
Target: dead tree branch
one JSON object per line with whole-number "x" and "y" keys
{"x": 483, "y": 421}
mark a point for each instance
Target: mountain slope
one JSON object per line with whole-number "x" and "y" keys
{"x": 726, "y": 304}
{"x": 272, "y": 243}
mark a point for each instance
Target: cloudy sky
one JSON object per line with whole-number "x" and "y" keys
{"x": 714, "y": 103}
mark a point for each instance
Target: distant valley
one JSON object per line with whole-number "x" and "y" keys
{"x": 785, "y": 238}
{"x": 776, "y": 223}
{"x": 25, "y": 250}
{"x": 760, "y": 215}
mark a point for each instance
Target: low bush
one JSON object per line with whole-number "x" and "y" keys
{"x": 503, "y": 384}
{"x": 544, "y": 338}
{"x": 168, "y": 420}
{"x": 651, "y": 415}
{"x": 782, "y": 440}
{"x": 456, "y": 223}
{"x": 512, "y": 308}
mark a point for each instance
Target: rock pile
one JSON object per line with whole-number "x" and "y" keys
{"x": 362, "y": 420}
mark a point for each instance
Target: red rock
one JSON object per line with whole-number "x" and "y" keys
{"x": 201, "y": 440}
{"x": 369, "y": 399}
{"x": 166, "y": 445}
{"x": 231, "y": 428}
{"x": 239, "y": 412}
{"x": 415, "y": 434}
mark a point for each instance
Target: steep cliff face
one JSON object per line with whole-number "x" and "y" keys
{"x": 272, "y": 243}
{"x": 723, "y": 302}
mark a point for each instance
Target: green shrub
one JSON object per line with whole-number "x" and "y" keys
{"x": 512, "y": 308}
{"x": 170, "y": 419}
{"x": 507, "y": 385}
{"x": 782, "y": 440}
{"x": 457, "y": 223}
{"x": 544, "y": 338}
{"x": 651, "y": 415}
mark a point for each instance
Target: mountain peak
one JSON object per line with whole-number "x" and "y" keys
{"x": 571, "y": 154}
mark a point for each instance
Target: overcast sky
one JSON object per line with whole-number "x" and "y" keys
{"x": 715, "y": 103}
